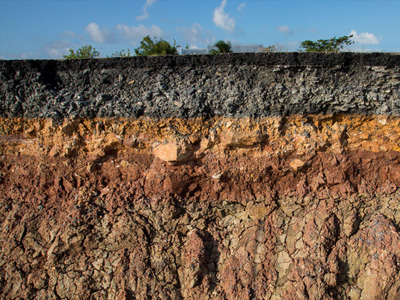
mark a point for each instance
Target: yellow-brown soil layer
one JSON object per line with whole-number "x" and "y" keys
{"x": 267, "y": 136}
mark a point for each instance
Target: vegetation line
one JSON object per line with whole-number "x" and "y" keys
{"x": 152, "y": 47}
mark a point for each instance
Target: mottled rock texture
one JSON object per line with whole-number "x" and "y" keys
{"x": 237, "y": 85}
{"x": 201, "y": 179}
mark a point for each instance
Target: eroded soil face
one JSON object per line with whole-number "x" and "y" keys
{"x": 276, "y": 208}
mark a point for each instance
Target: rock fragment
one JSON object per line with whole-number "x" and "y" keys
{"x": 173, "y": 152}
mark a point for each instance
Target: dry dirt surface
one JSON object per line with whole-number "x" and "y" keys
{"x": 280, "y": 208}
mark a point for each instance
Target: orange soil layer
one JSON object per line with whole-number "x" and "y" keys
{"x": 289, "y": 135}
{"x": 238, "y": 160}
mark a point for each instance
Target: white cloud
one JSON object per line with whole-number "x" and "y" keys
{"x": 364, "y": 37}
{"x": 57, "y": 53}
{"x": 291, "y": 46}
{"x": 196, "y": 36}
{"x": 241, "y": 6}
{"x": 284, "y": 29}
{"x": 288, "y": 30}
{"x": 24, "y": 55}
{"x": 28, "y": 55}
{"x": 145, "y": 14}
{"x": 99, "y": 35}
{"x": 68, "y": 34}
{"x": 221, "y": 18}
{"x": 58, "y": 49}
{"x": 52, "y": 50}
{"x": 136, "y": 34}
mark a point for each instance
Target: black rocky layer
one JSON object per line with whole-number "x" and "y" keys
{"x": 234, "y": 85}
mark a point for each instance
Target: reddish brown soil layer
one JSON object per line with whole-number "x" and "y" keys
{"x": 321, "y": 226}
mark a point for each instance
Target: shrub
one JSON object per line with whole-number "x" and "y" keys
{"x": 83, "y": 53}
{"x": 122, "y": 53}
{"x": 222, "y": 47}
{"x": 156, "y": 47}
{"x": 332, "y": 45}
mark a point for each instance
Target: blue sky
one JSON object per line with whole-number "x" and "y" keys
{"x": 48, "y": 28}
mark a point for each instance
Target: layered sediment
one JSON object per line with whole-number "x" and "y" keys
{"x": 272, "y": 176}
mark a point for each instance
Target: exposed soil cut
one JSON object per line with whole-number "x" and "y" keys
{"x": 235, "y": 219}
{"x": 243, "y": 176}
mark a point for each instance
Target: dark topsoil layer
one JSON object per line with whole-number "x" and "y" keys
{"x": 232, "y": 85}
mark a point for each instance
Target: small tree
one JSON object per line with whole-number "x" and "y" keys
{"x": 332, "y": 45}
{"x": 122, "y": 53}
{"x": 83, "y": 53}
{"x": 156, "y": 47}
{"x": 222, "y": 47}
